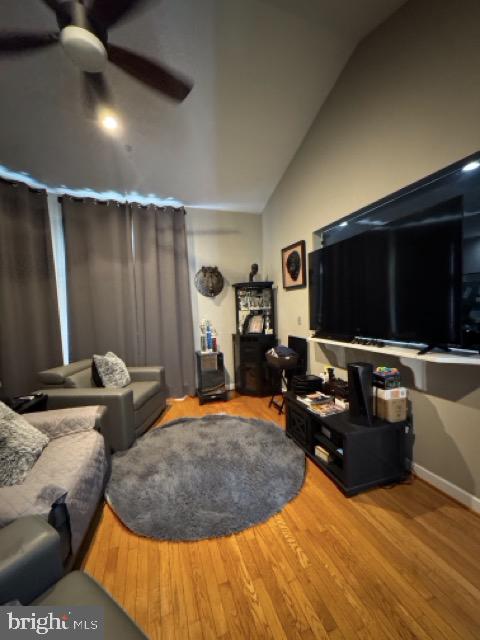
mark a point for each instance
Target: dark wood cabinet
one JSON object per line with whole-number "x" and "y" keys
{"x": 252, "y": 375}
{"x": 361, "y": 457}
{"x": 255, "y": 335}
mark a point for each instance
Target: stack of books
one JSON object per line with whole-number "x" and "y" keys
{"x": 327, "y": 409}
{"x": 321, "y": 404}
{"x": 323, "y": 454}
{"x": 314, "y": 398}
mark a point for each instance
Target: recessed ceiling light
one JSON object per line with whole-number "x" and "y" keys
{"x": 471, "y": 166}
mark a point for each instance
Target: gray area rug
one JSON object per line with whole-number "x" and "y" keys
{"x": 204, "y": 477}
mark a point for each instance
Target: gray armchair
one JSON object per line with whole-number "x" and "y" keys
{"x": 31, "y": 573}
{"x": 131, "y": 410}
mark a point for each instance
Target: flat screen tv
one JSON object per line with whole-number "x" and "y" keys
{"x": 401, "y": 281}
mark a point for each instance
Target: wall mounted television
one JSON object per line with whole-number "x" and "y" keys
{"x": 405, "y": 269}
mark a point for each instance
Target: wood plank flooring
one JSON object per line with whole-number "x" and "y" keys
{"x": 391, "y": 563}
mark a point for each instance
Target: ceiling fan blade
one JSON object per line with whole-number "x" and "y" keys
{"x": 54, "y": 5}
{"x": 150, "y": 72}
{"x": 12, "y": 42}
{"x": 106, "y": 13}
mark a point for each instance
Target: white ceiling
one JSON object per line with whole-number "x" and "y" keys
{"x": 262, "y": 69}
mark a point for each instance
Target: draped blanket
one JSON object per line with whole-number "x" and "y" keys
{"x": 71, "y": 470}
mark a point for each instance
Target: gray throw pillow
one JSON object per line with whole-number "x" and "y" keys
{"x": 112, "y": 370}
{"x": 20, "y": 446}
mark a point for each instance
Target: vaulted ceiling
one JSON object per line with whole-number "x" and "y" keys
{"x": 262, "y": 69}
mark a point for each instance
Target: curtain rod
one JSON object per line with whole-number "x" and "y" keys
{"x": 19, "y": 183}
{"x": 99, "y": 201}
{"x": 22, "y": 177}
{"x": 119, "y": 203}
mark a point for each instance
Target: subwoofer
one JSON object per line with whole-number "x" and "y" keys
{"x": 360, "y": 392}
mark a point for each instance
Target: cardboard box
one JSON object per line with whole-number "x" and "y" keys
{"x": 394, "y": 410}
{"x": 391, "y": 394}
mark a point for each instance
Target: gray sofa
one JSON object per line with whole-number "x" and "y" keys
{"x": 31, "y": 573}
{"x": 131, "y": 409}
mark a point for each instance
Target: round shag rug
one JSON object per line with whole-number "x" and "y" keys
{"x": 204, "y": 477}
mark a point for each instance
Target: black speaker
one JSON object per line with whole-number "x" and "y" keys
{"x": 360, "y": 392}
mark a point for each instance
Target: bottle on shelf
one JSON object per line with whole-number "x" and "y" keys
{"x": 267, "y": 328}
{"x": 209, "y": 337}
{"x": 203, "y": 337}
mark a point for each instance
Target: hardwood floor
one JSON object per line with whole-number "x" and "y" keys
{"x": 391, "y": 563}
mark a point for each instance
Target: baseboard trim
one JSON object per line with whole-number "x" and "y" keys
{"x": 450, "y": 489}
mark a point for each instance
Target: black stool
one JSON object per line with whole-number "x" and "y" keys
{"x": 280, "y": 366}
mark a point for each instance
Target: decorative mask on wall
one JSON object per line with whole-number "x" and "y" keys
{"x": 209, "y": 281}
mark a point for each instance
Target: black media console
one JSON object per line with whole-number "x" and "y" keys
{"x": 362, "y": 457}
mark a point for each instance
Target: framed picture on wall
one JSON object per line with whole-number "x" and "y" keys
{"x": 293, "y": 266}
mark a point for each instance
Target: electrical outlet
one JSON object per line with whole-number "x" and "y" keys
{"x": 299, "y": 320}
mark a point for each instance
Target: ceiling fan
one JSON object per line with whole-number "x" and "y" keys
{"x": 83, "y": 34}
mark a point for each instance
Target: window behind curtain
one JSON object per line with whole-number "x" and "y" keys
{"x": 58, "y": 245}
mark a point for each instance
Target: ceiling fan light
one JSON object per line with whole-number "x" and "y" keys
{"x": 109, "y": 120}
{"x": 110, "y": 123}
{"x": 84, "y": 49}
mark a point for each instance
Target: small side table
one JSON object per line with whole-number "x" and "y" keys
{"x": 280, "y": 366}
{"x": 210, "y": 376}
{"x": 29, "y": 403}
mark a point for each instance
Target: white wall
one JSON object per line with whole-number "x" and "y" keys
{"x": 406, "y": 105}
{"x": 232, "y": 242}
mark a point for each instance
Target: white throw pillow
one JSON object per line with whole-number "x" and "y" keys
{"x": 20, "y": 446}
{"x": 112, "y": 370}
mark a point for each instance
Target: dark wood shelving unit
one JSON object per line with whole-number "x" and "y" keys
{"x": 252, "y": 376}
{"x": 370, "y": 456}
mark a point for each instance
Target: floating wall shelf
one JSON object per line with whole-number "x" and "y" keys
{"x": 406, "y": 352}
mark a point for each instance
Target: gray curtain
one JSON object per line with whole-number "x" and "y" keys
{"x": 100, "y": 279}
{"x": 163, "y": 302}
{"x": 128, "y": 286}
{"x": 29, "y": 321}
